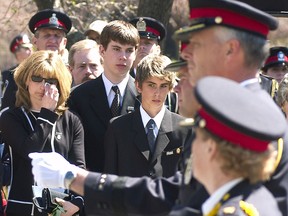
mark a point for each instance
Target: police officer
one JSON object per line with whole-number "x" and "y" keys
{"x": 274, "y": 70}
{"x": 229, "y": 163}
{"x": 21, "y": 47}
{"x": 151, "y": 32}
{"x": 50, "y": 28}
{"x": 276, "y": 65}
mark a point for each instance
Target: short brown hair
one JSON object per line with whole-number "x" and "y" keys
{"x": 154, "y": 66}
{"x": 119, "y": 31}
{"x": 49, "y": 65}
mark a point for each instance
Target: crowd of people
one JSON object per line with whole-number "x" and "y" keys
{"x": 123, "y": 130}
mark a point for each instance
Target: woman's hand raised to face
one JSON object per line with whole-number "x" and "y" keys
{"x": 51, "y": 97}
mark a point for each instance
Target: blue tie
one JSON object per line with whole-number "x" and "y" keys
{"x": 150, "y": 134}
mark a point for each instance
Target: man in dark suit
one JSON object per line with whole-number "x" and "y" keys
{"x": 92, "y": 100}
{"x": 127, "y": 147}
{"x": 276, "y": 65}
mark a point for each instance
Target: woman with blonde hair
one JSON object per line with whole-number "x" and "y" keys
{"x": 40, "y": 122}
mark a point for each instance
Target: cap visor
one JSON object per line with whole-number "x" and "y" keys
{"x": 175, "y": 66}
{"x": 86, "y": 33}
{"x": 27, "y": 45}
{"x": 183, "y": 34}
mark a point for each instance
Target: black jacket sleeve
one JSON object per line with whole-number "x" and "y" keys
{"x": 113, "y": 195}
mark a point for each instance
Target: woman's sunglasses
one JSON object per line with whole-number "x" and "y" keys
{"x": 39, "y": 79}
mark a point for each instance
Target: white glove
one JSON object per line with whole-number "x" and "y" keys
{"x": 49, "y": 169}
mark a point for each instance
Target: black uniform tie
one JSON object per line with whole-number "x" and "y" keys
{"x": 150, "y": 134}
{"x": 115, "y": 106}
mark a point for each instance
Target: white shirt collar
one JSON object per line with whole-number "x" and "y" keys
{"x": 158, "y": 118}
{"x": 249, "y": 81}
{"x": 210, "y": 203}
{"x": 108, "y": 85}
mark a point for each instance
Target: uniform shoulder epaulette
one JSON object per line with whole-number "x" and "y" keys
{"x": 238, "y": 207}
{"x": 248, "y": 208}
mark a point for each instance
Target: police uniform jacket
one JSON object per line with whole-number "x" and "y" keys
{"x": 278, "y": 184}
{"x": 269, "y": 84}
{"x": 90, "y": 102}
{"x": 113, "y": 195}
{"x": 22, "y": 140}
{"x": 127, "y": 149}
{"x": 8, "y": 97}
{"x": 246, "y": 198}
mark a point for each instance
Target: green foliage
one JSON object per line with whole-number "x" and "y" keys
{"x": 58, "y": 211}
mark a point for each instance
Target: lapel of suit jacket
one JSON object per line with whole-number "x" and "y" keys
{"x": 132, "y": 72}
{"x": 99, "y": 101}
{"x": 162, "y": 138}
{"x": 129, "y": 97}
{"x": 141, "y": 137}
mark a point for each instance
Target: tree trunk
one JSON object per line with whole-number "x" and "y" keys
{"x": 160, "y": 10}
{"x": 46, "y": 4}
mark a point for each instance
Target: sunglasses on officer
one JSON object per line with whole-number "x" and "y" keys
{"x": 39, "y": 79}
